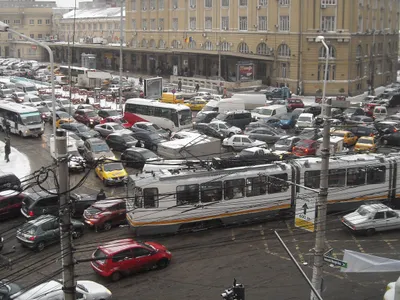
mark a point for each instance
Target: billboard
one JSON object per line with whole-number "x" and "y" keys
{"x": 153, "y": 88}
{"x": 245, "y": 72}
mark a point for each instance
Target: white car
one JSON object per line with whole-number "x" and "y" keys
{"x": 52, "y": 290}
{"x": 239, "y": 142}
{"x": 225, "y": 128}
{"x": 305, "y": 120}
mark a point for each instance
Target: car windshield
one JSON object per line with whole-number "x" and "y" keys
{"x": 286, "y": 117}
{"x": 91, "y": 114}
{"x": 185, "y": 117}
{"x": 100, "y": 147}
{"x": 303, "y": 144}
{"x": 340, "y": 134}
{"x": 304, "y": 119}
{"x": 156, "y": 127}
{"x": 154, "y": 137}
{"x": 30, "y": 89}
{"x": 43, "y": 109}
{"x": 266, "y": 112}
{"x": 149, "y": 154}
{"x": 246, "y": 153}
{"x": 365, "y": 141}
{"x": 82, "y": 128}
{"x": 118, "y": 127}
{"x": 285, "y": 142}
{"x": 363, "y": 211}
{"x": 31, "y": 118}
{"x": 113, "y": 167}
{"x": 112, "y": 113}
{"x": 63, "y": 115}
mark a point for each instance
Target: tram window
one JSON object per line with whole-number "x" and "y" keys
{"x": 336, "y": 178}
{"x": 311, "y": 179}
{"x": 211, "y": 191}
{"x": 150, "y": 198}
{"x": 234, "y": 188}
{"x": 376, "y": 174}
{"x": 256, "y": 186}
{"x": 142, "y": 109}
{"x": 187, "y": 194}
{"x": 277, "y": 184}
{"x": 355, "y": 176}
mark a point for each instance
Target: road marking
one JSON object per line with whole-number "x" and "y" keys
{"x": 335, "y": 255}
{"x": 233, "y": 235}
{"x": 358, "y": 244}
{"x": 301, "y": 257}
{"x": 263, "y": 238}
{"x": 388, "y": 242}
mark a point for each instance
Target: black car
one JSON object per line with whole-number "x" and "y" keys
{"x": 315, "y": 110}
{"x": 8, "y": 289}
{"x": 137, "y": 157}
{"x": 205, "y": 129}
{"x": 364, "y": 130}
{"x": 43, "y": 203}
{"x": 204, "y": 117}
{"x": 359, "y": 120}
{"x": 353, "y": 111}
{"x": 150, "y": 140}
{"x": 45, "y": 230}
{"x": 80, "y": 130}
{"x": 392, "y": 139}
{"x": 120, "y": 142}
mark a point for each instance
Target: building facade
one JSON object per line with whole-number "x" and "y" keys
{"x": 31, "y": 18}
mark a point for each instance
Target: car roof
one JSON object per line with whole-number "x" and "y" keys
{"x": 85, "y": 109}
{"x": 240, "y": 135}
{"x": 95, "y": 141}
{"x": 40, "y": 220}
{"x": 375, "y": 207}
{"x": 119, "y": 245}
{"x": 307, "y": 141}
{"x": 367, "y": 137}
{"x": 110, "y": 123}
{"x": 40, "y": 194}
{"x": 107, "y": 203}
{"x": 144, "y": 123}
{"x": 40, "y": 290}
{"x": 9, "y": 193}
{"x": 340, "y": 131}
{"x": 306, "y": 114}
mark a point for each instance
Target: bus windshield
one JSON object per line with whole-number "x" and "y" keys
{"x": 31, "y": 118}
{"x": 30, "y": 89}
{"x": 185, "y": 117}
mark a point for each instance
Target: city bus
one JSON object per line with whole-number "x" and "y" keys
{"x": 75, "y": 71}
{"x": 172, "y": 117}
{"x": 83, "y": 77}
{"x": 23, "y": 120}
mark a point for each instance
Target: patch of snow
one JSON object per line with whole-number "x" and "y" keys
{"x": 19, "y": 163}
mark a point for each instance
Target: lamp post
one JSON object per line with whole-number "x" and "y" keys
{"x": 319, "y": 248}
{"x": 121, "y": 40}
{"x": 5, "y": 28}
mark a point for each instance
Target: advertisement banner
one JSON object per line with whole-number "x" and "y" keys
{"x": 153, "y": 88}
{"x": 245, "y": 72}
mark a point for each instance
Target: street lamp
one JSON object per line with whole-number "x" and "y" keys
{"x": 121, "y": 40}
{"x": 321, "y": 39}
{"x": 5, "y": 28}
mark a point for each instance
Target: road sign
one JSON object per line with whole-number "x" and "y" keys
{"x": 305, "y": 213}
{"x": 335, "y": 261}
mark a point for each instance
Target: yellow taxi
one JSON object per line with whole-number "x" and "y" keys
{"x": 63, "y": 117}
{"x": 366, "y": 143}
{"x": 196, "y": 104}
{"x": 349, "y": 139}
{"x": 111, "y": 173}
{"x": 172, "y": 98}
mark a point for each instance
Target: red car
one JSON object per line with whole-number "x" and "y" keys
{"x": 123, "y": 257}
{"x": 10, "y": 203}
{"x": 87, "y": 117}
{"x": 305, "y": 148}
{"x": 293, "y": 103}
{"x": 105, "y": 214}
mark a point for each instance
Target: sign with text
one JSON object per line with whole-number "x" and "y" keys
{"x": 305, "y": 212}
{"x": 153, "y": 88}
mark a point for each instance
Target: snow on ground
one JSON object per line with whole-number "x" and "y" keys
{"x": 19, "y": 163}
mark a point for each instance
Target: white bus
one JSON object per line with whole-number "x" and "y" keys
{"x": 75, "y": 71}
{"x": 83, "y": 77}
{"x": 23, "y": 120}
{"x": 172, "y": 117}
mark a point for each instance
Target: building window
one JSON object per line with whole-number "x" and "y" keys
{"x": 144, "y": 43}
{"x": 359, "y": 51}
{"x": 40, "y": 36}
{"x": 242, "y": 23}
{"x": 192, "y": 3}
{"x": 225, "y": 46}
{"x": 192, "y": 45}
{"x": 160, "y": 24}
{"x": 32, "y": 36}
{"x": 175, "y": 24}
{"x": 225, "y": 3}
{"x": 133, "y": 24}
{"x": 331, "y": 72}
{"x": 133, "y": 4}
{"x": 284, "y": 70}
{"x": 360, "y": 24}
{"x": 262, "y": 23}
{"x": 144, "y": 24}
{"x": 109, "y": 26}
{"x": 284, "y": 24}
{"x": 95, "y": 26}
{"x": 243, "y": 48}
{"x": 31, "y": 22}
{"x": 263, "y": 3}
{"x": 160, "y": 4}
{"x": 144, "y": 4}
{"x": 192, "y": 23}
{"x": 359, "y": 70}
{"x": 225, "y": 23}
{"x": 153, "y": 24}
{"x": 17, "y": 21}
{"x": 152, "y": 4}
{"x": 328, "y": 23}
{"x": 262, "y": 48}
{"x": 284, "y": 2}
{"x": 39, "y": 22}
{"x": 208, "y": 23}
{"x": 328, "y": 2}
{"x": 161, "y": 44}
{"x": 47, "y": 21}
{"x": 284, "y": 50}
{"x": 382, "y": 24}
{"x": 208, "y": 45}
{"x": 208, "y": 3}
{"x": 134, "y": 43}
{"x": 152, "y": 44}
{"x": 174, "y": 44}
{"x": 174, "y": 4}
{"x": 332, "y": 52}
{"x": 6, "y": 21}
{"x": 243, "y": 2}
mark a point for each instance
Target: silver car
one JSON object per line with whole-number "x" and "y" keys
{"x": 94, "y": 149}
{"x": 107, "y": 128}
{"x": 371, "y": 218}
{"x": 225, "y": 128}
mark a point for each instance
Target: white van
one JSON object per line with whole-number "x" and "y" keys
{"x": 27, "y": 88}
{"x": 35, "y": 100}
{"x": 380, "y": 113}
{"x": 305, "y": 120}
{"x": 269, "y": 111}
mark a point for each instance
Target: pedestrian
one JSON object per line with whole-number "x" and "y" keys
{"x": 140, "y": 80}
{"x": 87, "y": 99}
{"x": 7, "y": 149}
{"x": 8, "y": 128}
{"x": 179, "y": 85}
{"x": 101, "y": 195}
{"x": 197, "y": 88}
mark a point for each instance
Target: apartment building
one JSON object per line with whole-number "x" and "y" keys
{"x": 31, "y": 18}
{"x": 275, "y": 37}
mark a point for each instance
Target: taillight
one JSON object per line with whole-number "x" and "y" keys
{"x": 32, "y": 238}
{"x": 306, "y": 150}
{"x": 31, "y": 214}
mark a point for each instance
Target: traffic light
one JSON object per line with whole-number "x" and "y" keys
{"x": 235, "y": 292}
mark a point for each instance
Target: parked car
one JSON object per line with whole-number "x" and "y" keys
{"x": 105, "y": 214}
{"x": 61, "y": 118}
{"x": 119, "y": 120}
{"x": 18, "y": 97}
{"x": 274, "y": 93}
{"x": 305, "y": 120}
{"x": 109, "y": 113}
{"x": 123, "y": 257}
{"x": 315, "y": 110}
{"x": 226, "y": 129}
{"x": 9, "y": 290}
{"x": 78, "y": 141}
{"x": 138, "y": 157}
{"x": 6, "y": 93}
{"x": 43, "y": 231}
{"x": 371, "y": 218}
{"x": 264, "y": 134}
{"x": 349, "y": 139}
{"x": 10, "y": 203}
{"x": 80, "y": 130}
{"x": 366, "y": 143}
{"x": 205, "y": 129}
{"x": 271, "y": 122}
{"x": 204, "y": 117}
{"x": 305, "y": 148}
{"x": 286, "y": 143}
{"x": 149, "y": 139}
{"x": 149, "y": 127}
{"x": 288, "y": 121}
{"x": 293, "y": 103}
{"x": 353, "y": 111}
{"x": 108, "y": 128}
{"x": 87, "y": 117}
{"x": 239, "y": 142}
{"x": 238, "y": 118}
{"x": 62, "y": 102}
{"x": 359, "y": 120}
{"x": 364, "y": 130}
{"x": 111, "y": 173}
{"x": 120, "y": 142}
{"x": 76, "y": 162}
{"x": 392, "y": 139}
{"x": 44, "y": 113}
{"x": 94, "y": 149}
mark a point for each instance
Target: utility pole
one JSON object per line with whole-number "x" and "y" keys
{"x": 219, "y": 64}
{"x": 65, "y": 216}
{"x": 372, "y": 66}
{"x": 121, "y": 40}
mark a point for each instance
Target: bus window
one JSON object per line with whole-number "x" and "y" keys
{"x": 376, "y": 174}
{"x": 234, "y": 188}
{"x": 211, "y": 191}
{"x": 336, "y": 178}
{"x": 185, "y": 117}
{"x": 187, "y": 194}
{"x": 150, "y": 198}
{"x": 355, "y": 176}
{"x": 277, "y": 184}
{"x": 174, "y": 118}
{"x": 256, "y": 186}
{"x": 311, "y": 179}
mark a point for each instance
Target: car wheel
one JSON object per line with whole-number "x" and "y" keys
{"x": 162, "y": 263}
{"x": 40, "y": 246}
{"x": 76, "y": 234}
{"x": 370, "y": 231}
{"x": 107, "y": 226}
{"x": 115, "y": 276}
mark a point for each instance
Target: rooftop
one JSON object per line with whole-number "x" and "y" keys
{"x": 94, "y": 13}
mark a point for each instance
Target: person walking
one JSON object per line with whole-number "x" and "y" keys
{"x": 7, "y": 149}
{"x": 87, "y": 99}
{"x": 140, "y": 80}
{"x": 179, "y": 85}
{"x": 197, "y": 88}
{"x": 101, "y": 195}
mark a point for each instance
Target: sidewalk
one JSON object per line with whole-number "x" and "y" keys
{"x": 19, "y": 163}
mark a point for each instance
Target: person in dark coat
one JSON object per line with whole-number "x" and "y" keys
{"x": 101, "y": 195}
{"x": 7, "y": 149}
{"x": 197, "y": 88}
{"x": 179, "y": 85}
{"x": 87, "y": 100}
